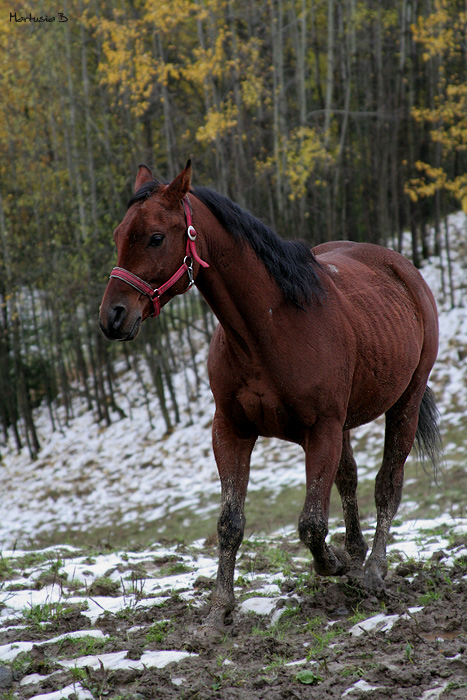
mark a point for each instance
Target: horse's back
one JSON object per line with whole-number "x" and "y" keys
{"x": 382, "y": 269}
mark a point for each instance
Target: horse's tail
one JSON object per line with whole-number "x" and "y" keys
{"x": 428, "y": 436}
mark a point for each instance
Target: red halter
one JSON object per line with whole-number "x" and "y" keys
{"x": 187, "y": 266}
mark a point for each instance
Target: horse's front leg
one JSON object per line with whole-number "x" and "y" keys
{"x": 323, "y": 447}
{"x": 232, "y": 455}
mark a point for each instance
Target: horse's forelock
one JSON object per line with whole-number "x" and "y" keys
{"x": 144, "y": 192}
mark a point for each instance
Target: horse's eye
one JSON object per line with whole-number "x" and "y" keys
{"x": 156, "y": 240}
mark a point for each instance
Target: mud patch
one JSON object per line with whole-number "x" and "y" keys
{"x": 120, "y": 625}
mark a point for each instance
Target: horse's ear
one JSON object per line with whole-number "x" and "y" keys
{"x": 144, "y": 175}
{"x": 180, "y": 185}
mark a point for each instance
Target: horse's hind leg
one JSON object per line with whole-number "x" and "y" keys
{"x": 323, "y": 448}
{"x": 401, "y": 427}
{"x": 346, "y": 482}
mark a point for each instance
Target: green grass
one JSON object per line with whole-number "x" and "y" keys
{"x": 77, "y": 674}
{"x": 359, "y": 616}
{"x": 429, "y": 597}
{"x": 306, "y": 583}
{"x": 21, "y": 663}
{"x": 439, "y": 530}
{"x": 83, "y": 646}
{"x": 454, "y": 685}
{"x": 279, "y": 559}
{"x": 32, "y": 559}
{"x": 320, "y": 639}
{"x": 158, "y": 631}
{"x": 6, "y": 568}
{"x": 105, "y": 586}
{"x": 353, "y": 672}
{"x": 279, "y": 630}
{"x": 174, "y": 568}
{"x": 432, "y": 593}
{"x": 44, "y": 612}
{"x": 275, "y": 662}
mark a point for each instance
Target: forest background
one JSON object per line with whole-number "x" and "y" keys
{"x": 327, "y": 119}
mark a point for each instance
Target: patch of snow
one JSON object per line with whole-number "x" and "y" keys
{"x": 178, "y": 681}
{"x": 118, "y": 661}
{"x": 8, "y": 652}
{"x": 64, "y": 693}
{"x": 33, "y": 678}
{"x": 434, "y": 693}
{"x": 361, "y": 687}
{"x": 376, "y": 623}
{"x": 259, "y": 606}
{"x": 380, "y": 622}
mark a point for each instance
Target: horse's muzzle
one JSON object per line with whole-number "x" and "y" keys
{"x": 116, "y": 324}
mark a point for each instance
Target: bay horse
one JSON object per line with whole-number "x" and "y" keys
{"x": 310, "y": 344}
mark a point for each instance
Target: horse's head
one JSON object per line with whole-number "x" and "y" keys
{"x": 156, "y": 255}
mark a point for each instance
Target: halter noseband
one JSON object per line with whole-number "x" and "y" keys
{"x": 187, "y": 266}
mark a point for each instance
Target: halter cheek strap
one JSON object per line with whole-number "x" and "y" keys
{"x": 186, "y": 267}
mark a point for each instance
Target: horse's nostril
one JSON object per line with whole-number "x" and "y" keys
{"x": 116, "y": 317}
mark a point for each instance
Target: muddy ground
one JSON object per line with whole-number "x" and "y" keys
{"x": 312, "y": 643}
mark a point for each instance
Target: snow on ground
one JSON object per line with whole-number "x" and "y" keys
{"x": 90, "y": 477}
{"x": 27, "y": 607}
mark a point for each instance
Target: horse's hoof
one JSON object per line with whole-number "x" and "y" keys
{"x": 373, "y": 581}
{"x": 337, "y": 564}
{"x": 209, "y": 633}
{"x": 355, "y": 574}
{"x": 344, "y": 560}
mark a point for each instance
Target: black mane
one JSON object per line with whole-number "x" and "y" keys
{"x": 290, "y": 263}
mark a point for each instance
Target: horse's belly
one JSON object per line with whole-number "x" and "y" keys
{"x": 377, "y": 385}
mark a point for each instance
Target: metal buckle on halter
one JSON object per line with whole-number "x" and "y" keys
{"x": 189, "y": 268}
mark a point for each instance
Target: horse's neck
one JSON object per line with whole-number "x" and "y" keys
{"x": 237, "y": 285}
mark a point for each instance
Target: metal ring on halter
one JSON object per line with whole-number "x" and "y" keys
{"x": 191, "y": 233}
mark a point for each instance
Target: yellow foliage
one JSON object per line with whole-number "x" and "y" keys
{"x": 252, "y": 85}
{"x": 434, "y": 179}
{"x": 431, "y": 180}
{"x": 166, "y": 15}
{"x": 305, "y": 151}
{"x": 217, "y": 123}
{"x": 441, "y": 33}
{"x": 442, "y": 36}
{"x": 458, "y": 187}
{"x": 301, "y": 157}
{"x": 128, "y": 67}
{"x": 209, "y": 62}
